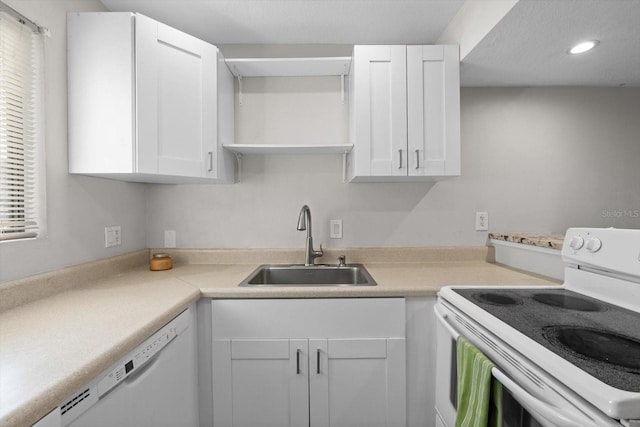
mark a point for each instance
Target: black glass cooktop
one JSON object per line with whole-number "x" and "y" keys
{"x": 600, "y": 338}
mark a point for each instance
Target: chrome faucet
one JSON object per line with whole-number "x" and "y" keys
{"x": 304, "y": 223}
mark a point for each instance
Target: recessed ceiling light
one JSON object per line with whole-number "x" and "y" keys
{"x": 583, "y": 47}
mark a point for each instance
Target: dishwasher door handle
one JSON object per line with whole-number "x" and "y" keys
{"x": 144, "y": 368}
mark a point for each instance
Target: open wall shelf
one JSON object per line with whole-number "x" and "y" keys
{"x": 289, "y": 148}
{"x": 289, "y": 67}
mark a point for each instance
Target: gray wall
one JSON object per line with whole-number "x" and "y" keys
{"x": 78, "y": 208}
{"x": 537, "y": 159}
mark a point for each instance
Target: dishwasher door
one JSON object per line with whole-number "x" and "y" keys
{"x": 161, "y": 392}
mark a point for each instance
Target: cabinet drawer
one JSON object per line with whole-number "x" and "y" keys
{"x": 358, "y": 348}
{"x": 268, "y": 349}
{"x": 304, "y": 318}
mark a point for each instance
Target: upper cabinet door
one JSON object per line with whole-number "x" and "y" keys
{"x": 433, "y": 119}
{"x": 380, "y": 110}
{"x": 176, "y": 78}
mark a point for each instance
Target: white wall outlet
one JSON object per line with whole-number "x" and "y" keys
{"x": 169, "y": 238}
{"x": 112, "y": 236}
{"x": 482, "y": 221}
{"x": 335, "y": 229}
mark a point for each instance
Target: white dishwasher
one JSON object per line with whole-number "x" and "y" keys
{"x": 153, "y": 385}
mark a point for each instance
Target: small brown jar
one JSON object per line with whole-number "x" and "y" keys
{"x": 160, "y": 262}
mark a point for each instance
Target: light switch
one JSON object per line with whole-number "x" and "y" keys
{"x": 335, "y": 229}
{"x": 112, "y": 236}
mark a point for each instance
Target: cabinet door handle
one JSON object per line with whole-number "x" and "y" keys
{"x": 417, "y": 159}
{"x": 210, "y": 154}
{"x": 400, "y": 154}
{"x": 298, "y": 362}
{"x": 318, "y": 361}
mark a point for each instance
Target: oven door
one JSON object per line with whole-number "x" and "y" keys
{"x": 528, "y": 398}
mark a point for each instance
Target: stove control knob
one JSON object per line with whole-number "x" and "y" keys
{"x": 593, "y": 245}
{"x": 576, "y": 242}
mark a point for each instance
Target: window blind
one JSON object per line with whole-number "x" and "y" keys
{"x": 22, "y": 200}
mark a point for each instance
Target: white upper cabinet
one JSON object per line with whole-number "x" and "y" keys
{"x": 405, "y": 113}
{"x": 147, "y": 102}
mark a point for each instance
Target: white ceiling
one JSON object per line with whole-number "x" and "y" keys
{"x": 525, "y": 48}
{"x": 528, "y": 47}
{"x": 300, "y": 21}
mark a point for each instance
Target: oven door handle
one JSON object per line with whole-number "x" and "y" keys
{"x": 555, "y": 415}
{"x": 443, "y": 319}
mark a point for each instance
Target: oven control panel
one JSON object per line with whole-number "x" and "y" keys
{"x": 609, "y": 249}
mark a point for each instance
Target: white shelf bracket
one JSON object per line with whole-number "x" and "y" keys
{"x": 344, "y": 166}
{"x": 342, "y": 87}
{"x": 239, "y": 168}
{"x": 239, "y": 90}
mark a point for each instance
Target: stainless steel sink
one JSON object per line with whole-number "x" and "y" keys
{"x": 315, "y": 275}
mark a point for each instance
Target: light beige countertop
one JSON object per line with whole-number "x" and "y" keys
{"x": 53, "y": 343}
{"x": 394, "y": 280}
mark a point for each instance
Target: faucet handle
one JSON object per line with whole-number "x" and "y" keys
{"x": 342, "y": 261}
{"x": 318, "y": 253}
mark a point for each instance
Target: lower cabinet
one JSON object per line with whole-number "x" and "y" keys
{"x": 357, "y": 382}
{"x": 319, "y": 362}
{"x": 260, "y": 382}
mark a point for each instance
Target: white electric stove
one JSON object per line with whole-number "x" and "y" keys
{"x": 567, "y": 355}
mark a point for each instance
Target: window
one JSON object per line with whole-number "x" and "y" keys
{"x": 22, "y": 198}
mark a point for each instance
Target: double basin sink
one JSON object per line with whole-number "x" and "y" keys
{"x": 314, "y": 275}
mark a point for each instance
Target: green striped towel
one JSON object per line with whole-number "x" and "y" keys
{"x": 479, "y": 394}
